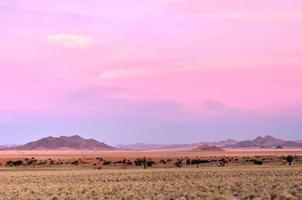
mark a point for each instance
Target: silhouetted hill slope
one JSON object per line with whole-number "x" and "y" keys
{"x": 173, "y": 146}
{"x": 222, "y": 143}
{"x": 259, "y": 142}
{"x": 65, "y": 142}
{"x": 264, "y": 142}
{"x": 205, "y": 147}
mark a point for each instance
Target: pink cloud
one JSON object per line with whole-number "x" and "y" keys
{"x": 244, "y": 55}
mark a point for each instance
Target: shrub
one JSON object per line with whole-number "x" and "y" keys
{"x": 32, "y": 162}
{"x": 198, "y": 161}
{"x": 257, "y": 162}
{"x": 149, "y": 163}
{"x": 163, "y": 162}
{"x": 143, "y": 162}
{"x": 76, "y": 162}
{"x": 138, "y": 162}
{"x": 119, "y": 162}
{"x": 129, "y": 162}
{"x": 13, "y": 163}
{"x": 222, "y": 162}
{"x": 178, "y": 164}
{"x": 99, "y": 158}
{"x": 107, "y": 162}
{"x": 289, "y": 159}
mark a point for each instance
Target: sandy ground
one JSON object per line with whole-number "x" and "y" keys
{"x": 167, "y": 153}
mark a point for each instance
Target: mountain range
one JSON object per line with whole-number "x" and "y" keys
{"x": 171, "y": 146}
{"x": 78, "y": 143}
{"x": 265, "y": 142}
{"x": 259, "y": 142}
{"x": 65, "y": 142}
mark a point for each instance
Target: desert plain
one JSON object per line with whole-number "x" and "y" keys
{"x": 74, "y": 174}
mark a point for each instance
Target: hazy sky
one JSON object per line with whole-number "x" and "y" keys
{"x": 162, "y": 71}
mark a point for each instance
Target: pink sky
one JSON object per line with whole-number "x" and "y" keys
{"x": 162, "y": 62}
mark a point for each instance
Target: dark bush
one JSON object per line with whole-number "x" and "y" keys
{"x": 149, "y": 163}
{"x": 119, "y": 162}
{"x": 257, "y": 162}
{"x": 76, "y": 162}
{"x": 222, "y": 162}
{"x": 129, "y": 162}
{"x": 143, "y": 162}
{"x": 178, "y": 164}
{"x": 138, "y": 162}
{"x": 198, "y": 161}
{"x": 289, "y": 159}
{"x": 107, "y": 162}
{"x": 163, "y": 162}
{"x": 32, "y": 162}
{"x": 14, "y": 163}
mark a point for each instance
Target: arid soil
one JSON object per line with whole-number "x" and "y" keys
{"x": 189, "y": 183}
{"x": 53, "y": 158}
{"x": 177, "y": 174}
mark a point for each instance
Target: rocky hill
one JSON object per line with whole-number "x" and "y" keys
{"x": 205, "y": 147}
{"x": 64, "y": 142}
{"x": 264, "y": 142}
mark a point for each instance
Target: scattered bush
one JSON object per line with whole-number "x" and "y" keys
{"x": 31, "y": 162}
{"x": 197, "y": 162}
{"x": 163, "y": 162}
{"x": 107, "y": 162}
{"x": 99, "y": 158}
{"x": 150, "y": 163}
{"x": 138, "y": 162}
{"x": 222, "y": 162}
{"x": 129, "y": 162}
{"x": 144, "y": 162}
{"x": 76, "y": 162}
{"x": 14, "y": 163}
{"x": 257, "y": 162}
{"x": 289, "y": 159}
{"x": 178, "y": 164}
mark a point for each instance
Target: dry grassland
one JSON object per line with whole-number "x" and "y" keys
{"x": 208, "y": 182}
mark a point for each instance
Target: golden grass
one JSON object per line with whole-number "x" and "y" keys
{"x": 230, "y": 182}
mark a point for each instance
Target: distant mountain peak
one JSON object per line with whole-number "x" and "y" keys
{"x": 269, "y": 137}
{"x": 205, "y": 147}
{"x": 65, "y": 142}
{"x": 73, "y": 136}
{"x": 267, "y": 141}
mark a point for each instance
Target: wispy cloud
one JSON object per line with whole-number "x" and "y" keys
{"x": 123, "y": 73}
{"x": 70, "y": 40}
{"x": 142, "y": 71}
{"x": 131, "y": 72}
{"x": 171, "y": 1}
{"x": 251, "y": 16}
